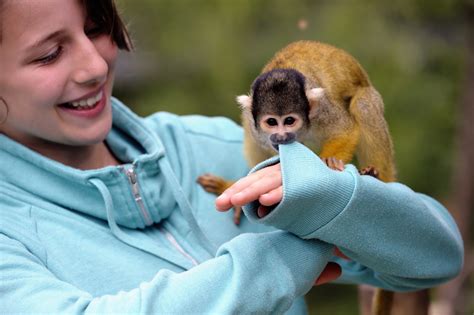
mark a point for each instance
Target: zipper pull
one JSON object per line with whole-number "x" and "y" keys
{"x": 132, "y": 178}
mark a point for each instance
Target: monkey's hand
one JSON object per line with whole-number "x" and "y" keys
{"x": 264, "y": 185}
{"x": 370, "y": 170}
{"x": 334, "y": 163}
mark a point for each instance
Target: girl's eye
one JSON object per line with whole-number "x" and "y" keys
{"x": 50, "y": 58}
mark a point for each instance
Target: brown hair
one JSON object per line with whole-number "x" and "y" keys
{"x": 104, "y": 14}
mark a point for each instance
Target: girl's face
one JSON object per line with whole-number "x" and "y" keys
{"x": 56, "y": 74}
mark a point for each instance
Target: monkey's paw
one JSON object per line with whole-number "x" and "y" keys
{"x": 333, "y": 163}
{"x": 212, "y": 183}
{"x": 369, "y": 170}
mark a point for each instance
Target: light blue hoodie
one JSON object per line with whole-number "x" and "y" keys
{"x": 144, "y": 237}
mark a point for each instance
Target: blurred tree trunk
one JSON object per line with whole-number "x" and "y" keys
{"x": 452, "y": 297}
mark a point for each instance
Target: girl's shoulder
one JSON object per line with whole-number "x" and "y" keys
{"x": 216, "y": 128}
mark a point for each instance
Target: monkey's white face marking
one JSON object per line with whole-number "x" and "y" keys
{"x": 277, "y": 130}
{"x": 272, "y": 124}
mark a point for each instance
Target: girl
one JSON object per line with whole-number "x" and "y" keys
{"x": 101, "y": 213}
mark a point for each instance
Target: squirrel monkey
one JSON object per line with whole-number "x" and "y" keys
{"x": 321, "y": 96}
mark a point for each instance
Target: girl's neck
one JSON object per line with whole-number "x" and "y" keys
{"x": 81, "y": 157}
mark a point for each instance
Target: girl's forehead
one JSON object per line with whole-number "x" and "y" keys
{"x": 28, "y": 21}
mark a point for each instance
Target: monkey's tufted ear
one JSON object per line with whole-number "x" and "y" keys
{"x": 245, "y": 101}
{"x": 315, "y": 97}
{"x": 315, "y": 94}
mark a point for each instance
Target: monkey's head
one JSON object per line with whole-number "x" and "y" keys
{"x": 280, "y": 107}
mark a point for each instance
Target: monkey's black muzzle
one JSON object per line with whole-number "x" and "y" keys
{"x": 286, "y": 138}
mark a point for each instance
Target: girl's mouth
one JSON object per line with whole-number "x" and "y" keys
{"x": 84, "y": 104}
{"x": 88, "y": 108}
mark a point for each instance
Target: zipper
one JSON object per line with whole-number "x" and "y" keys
{"x": 176, "y": 245}
{"x": 132, "y": 179}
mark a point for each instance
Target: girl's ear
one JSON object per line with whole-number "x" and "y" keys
{"x": 245, "y": 101}
{"x": 315, "y": 97}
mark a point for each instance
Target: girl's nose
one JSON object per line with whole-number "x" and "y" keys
{"x": 90, "y": 67}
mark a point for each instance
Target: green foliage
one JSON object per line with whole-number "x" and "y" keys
{"x": 197, "y": 55}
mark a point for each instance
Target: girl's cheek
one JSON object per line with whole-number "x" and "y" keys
{"x": 108, "y": 50}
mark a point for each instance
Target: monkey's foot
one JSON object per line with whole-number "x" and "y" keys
{"x": 213, "y": 184}
{"x": 333, "y": 163}
{"x": 369, "y": 170}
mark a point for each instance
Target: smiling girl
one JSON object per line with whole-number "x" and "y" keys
{"x": 100, "y": 211}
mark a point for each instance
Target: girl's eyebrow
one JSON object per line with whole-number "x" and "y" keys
{"x": 45, "y": 39}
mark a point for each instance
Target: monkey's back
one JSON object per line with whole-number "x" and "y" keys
{"x": 324, "y": 65}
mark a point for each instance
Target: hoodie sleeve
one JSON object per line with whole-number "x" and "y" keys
{"x": 396, "y": 238}
{"x": 252, "y": 273}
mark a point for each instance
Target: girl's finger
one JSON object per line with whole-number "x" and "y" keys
{"x": 225, "y": 201}
{"x": 256, "y": 189}
{"x": 273, "y": 197}
{"x": 331, "y": 272}
{"x": 248, "y": 180}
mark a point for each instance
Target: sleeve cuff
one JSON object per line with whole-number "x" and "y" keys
{"x": 313, "y": 194}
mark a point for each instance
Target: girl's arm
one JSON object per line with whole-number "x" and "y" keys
{"x": 252, "y": 273}
{"x": 396, "y": 238}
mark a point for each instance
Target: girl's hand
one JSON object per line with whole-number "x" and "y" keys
{"x": 264, "y": 185}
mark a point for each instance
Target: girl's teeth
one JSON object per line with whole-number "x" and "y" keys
{"x": 87, "y": 102}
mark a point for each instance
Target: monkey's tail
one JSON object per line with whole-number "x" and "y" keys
{"x": 375, "y": 146}
{"x": 382, "y": 302}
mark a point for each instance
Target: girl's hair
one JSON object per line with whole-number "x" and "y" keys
{"x": 104, "y": 14}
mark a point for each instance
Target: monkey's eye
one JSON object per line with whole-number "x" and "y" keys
{"x": 272, "y": 122}
{"x": 289, "y": 121}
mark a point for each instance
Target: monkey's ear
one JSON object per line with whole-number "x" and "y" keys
{"x": 245, "y": 101}
{"x": 315, "y": 97}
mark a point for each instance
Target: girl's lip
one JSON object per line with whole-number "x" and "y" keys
{"x": 91, "y": 112}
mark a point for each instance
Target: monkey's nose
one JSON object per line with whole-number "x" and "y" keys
{"x": 287, "y": 137}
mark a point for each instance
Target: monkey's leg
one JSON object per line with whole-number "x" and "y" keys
{"x": 341, "y": 147}
{"x": 217, "y": 185}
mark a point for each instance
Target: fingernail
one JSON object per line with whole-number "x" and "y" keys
{"x": 221, "y": 196}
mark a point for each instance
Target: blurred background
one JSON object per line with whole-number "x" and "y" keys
{"x": 195, "y": 56}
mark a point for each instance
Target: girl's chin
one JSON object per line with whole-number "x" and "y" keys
{"x": 91, "y": 136}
